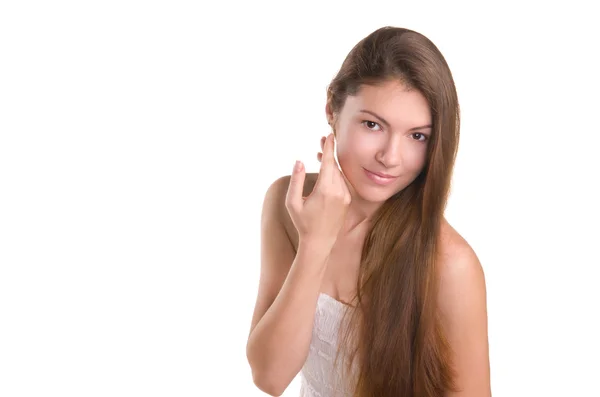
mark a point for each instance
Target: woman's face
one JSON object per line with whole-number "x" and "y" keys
{"x": 383, "y": 129}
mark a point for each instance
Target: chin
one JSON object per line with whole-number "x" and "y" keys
{"x": 373, "y": 194}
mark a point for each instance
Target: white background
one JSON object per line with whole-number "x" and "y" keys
{"x": 138, "y": 140}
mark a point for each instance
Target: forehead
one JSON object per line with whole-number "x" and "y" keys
{"x": 392, "y": 101}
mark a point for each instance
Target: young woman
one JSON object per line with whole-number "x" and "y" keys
{"x": 365, "y": 289}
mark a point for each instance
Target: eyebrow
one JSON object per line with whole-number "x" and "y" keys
{"x": 383, "y": 121}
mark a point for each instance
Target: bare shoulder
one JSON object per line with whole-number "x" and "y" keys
{"x": 277, "y": 191}
{"x": 280, "y": 187}
{"x": 461, "y": 273}
{"x": 455, "y": 253}
{"x": 281, "y": 184}
{"x": 463, "y": 308}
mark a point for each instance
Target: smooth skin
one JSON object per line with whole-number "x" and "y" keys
{"x": 313, "y": 245}
{"x": 292, "y": 270}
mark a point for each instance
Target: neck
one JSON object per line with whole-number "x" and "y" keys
{"x": 359, "y": 213}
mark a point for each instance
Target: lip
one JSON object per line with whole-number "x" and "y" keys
{"x": 380, "y": 178}
{"x": 381, "y": 174}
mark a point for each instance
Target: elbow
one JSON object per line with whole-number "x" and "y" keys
{"x": 265, "y": 379}
{"x": 265, "y": 376}
{"x": 267, "y": 384}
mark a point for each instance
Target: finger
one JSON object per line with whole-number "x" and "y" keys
{"x": 335, "y": 158}
{"x": 323, "y": 142}
{"x": 319, "y": 156}
{"x": 326, "y": 174}
{"x": 341, "y": 177}
{"x": 296, "y": 187}
{"x": 328, "y": 150}
{"x": 345, "y": 181}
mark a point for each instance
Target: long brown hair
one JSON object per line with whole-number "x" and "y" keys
{"x": 396, "y": 336}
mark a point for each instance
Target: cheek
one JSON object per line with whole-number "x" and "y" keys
{"x": 355, "y": 146}
{"x": 347, "y": 160}
{"x": 350, "y": 154}
{"x": 415, "y": 159}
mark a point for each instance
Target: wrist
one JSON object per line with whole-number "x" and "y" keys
{"x": 315, "y": 247}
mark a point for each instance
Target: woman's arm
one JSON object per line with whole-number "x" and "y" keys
{"x": 289, "y": 287}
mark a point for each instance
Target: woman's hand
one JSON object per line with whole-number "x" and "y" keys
{"x": 320, "y": 154}
{"x": 320, "y": 216}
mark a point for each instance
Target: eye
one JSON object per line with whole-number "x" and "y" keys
{"x": 370, "y": 125}
{"x": 420, "y": 136}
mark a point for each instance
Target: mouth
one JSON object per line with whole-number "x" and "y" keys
{"x": 380, "y": 178}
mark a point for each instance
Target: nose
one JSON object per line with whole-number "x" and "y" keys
{"x": 389, "y": 154}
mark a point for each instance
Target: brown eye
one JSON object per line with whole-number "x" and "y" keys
{"x": 370, "y": 124}
{"x": 420, "y": 136}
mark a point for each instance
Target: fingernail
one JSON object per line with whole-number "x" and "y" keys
{"x": 297, "y": 166}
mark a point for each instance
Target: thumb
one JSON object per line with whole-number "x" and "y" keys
{"x": 296, "y": 187}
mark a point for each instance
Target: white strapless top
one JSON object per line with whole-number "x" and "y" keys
{"x": 318, "y": 376}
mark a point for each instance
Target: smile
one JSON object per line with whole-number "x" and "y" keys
{"x": 380, "y": 180}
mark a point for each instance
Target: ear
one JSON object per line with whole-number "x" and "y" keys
{"x": 328, "y": 114}
{"x": 330, "y": 117}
